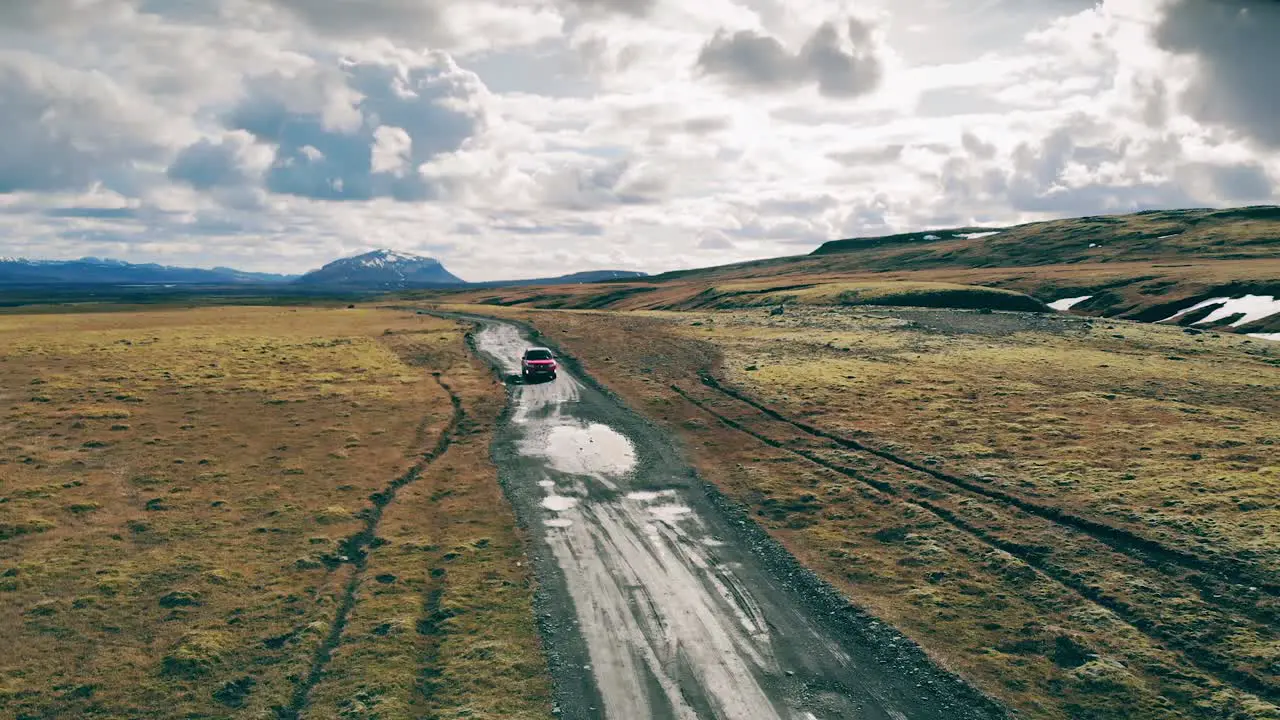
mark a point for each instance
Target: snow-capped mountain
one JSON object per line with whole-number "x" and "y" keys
{"x": 382, "y": 270}
{"x": 100, "y": 271}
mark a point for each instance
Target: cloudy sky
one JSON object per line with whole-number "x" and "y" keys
{"x": 518, "y": 138}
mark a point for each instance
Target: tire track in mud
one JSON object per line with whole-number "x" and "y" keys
{"x": 1151, "y": 552}
{"x": 1208, "y": 662}
{"x": 356, "y": 548}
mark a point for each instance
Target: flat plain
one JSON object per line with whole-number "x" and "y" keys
{"x": 1080, "y": 515}
{"x": 279, "y": 512}
{"x": 256, "y": 512}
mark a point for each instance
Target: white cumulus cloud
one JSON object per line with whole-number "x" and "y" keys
{"x": 532, "y": 137}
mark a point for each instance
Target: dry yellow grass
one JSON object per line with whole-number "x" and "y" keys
{"x": 891, "y": 293}
{"x": 1144, "y": 425}
{"x": 177, "y": 492}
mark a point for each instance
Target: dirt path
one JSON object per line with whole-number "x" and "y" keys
{"x": 658, "y": 600}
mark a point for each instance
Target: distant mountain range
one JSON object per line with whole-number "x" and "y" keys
{"x": 99, "y": 271}
{"x": 380, "y": 270}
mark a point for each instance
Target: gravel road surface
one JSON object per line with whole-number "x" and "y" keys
{"x": 656, "y": 602}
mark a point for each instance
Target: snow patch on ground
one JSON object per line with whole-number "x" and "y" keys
{"x": 382, "y": 258}
{"x": 1274, "y": 337}
{"x": 1067, "y": 303}
{"x": 932, "y": 237}
{"x": 975, "y": 236}
{"x": 1251, "y": 307}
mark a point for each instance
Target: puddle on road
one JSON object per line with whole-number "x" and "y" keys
{"x": 504, "y": 344}
{"x": 669, "y": 514}
{"x": 574, "y": 448}
{"x": 650, "y": 495}
{"x": 591, "y": 449}
{"x": 558, "y": 503}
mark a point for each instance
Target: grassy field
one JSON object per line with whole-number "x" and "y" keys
{"x": 259, "y": 512}
{"x": 1079, "y": 515}
{"x": 817, "y": 290}
{"x": 759, "y": 293}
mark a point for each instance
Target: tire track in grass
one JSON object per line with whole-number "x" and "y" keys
{"x": 429, "y": 627}
{"x": 1218, "y": 586}
{"x": 1208, "y": 663}
{"x": 356, "y": 549}
{"x": 1150, "y": 552}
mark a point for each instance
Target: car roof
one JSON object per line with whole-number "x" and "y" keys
{"x": 537, "y": 349}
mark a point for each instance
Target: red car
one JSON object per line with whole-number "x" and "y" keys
{"x": 538, "y": 362}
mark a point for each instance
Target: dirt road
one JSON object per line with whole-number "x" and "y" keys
{"x": 658, "y": 600}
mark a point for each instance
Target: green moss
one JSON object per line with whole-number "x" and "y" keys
{"x": 198, "y": 653}
{"x": 27, "y": 526}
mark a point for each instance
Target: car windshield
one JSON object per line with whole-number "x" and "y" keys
{"x": 537, "y": 355}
